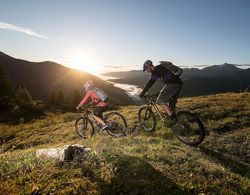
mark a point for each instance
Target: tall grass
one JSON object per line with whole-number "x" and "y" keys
{"x": 141, "y": 163}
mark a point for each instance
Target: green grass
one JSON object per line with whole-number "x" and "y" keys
{"x": 142, "y": 163}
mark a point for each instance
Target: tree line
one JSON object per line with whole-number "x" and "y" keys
{"x": 17, "y": 99}
{"x": 57, "y": 99}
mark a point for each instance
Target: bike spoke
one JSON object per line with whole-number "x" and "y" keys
{"x": 116, "y": 124}
{"x": 147, "y": 119}
{"x": 84, "y": 128}
{"x": 189, "y": 129}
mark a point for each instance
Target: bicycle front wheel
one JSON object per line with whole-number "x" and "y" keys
{"x": 117, "y": 124}
{"x": 189, "y": 128}
{"x": 147, "y": 118}
{"x": 84, "y": 127}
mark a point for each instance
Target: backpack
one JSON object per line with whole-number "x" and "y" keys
{"x": 177, "y": 71}
{"x": 101, "y": 94}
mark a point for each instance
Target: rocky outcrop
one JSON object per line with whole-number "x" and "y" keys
{"x": 65, "y": 153}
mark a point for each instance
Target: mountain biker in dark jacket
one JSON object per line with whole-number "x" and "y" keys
{"x": 168, "y": 95}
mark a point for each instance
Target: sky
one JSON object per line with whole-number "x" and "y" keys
{"x": 112, "y": 35}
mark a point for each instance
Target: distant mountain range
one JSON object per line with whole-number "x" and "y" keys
{"x": 44, "y": 78}
{"x": 209, "y": 80}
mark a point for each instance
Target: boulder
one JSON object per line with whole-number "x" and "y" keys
{"x": 65, "y": 153}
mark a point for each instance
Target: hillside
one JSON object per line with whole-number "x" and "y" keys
{"x": 209, "y": 80}
{"x": 141, "y": 163}
{"x": 44, "y": 78}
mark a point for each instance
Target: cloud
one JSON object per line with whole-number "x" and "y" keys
{"x": 110, "y": 66}
{"x": 22, "y": 30}
{"x": 246, "y": 65}
{"x": 127, "y": 66}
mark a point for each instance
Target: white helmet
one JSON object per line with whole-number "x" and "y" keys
{"x": 88, "y": 85}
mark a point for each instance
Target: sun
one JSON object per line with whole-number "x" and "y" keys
{"x": 82, "y": 62}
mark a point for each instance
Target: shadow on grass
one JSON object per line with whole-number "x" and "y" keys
{"x": 135, "y": 176}
{"x": 161, "y": 132}
{"x": 237, "y": 167}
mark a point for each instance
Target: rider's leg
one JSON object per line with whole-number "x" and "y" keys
{"x": 98, "y": 120}
{"x": 98, "y": 116}
{"x": 166, "y": 109}
{"x": 172, "y": 103}
{"x": 168, "y": 98}
{"x": 169, "y": 112}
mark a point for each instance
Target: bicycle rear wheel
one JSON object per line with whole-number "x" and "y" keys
{"x": 147, "y": 118}
{"x": 189, "y": 128}
{"x": 84, "y": 127}
{"x": 117, "y": 124}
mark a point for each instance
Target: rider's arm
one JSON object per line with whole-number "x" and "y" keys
{"x": 85, "y": 99}
{"x": 94, "y": 97}
{"x": 149, "y": 84}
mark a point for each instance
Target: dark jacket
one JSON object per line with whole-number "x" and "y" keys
{"x": 163, "y": 75}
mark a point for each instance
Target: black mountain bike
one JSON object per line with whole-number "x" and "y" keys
{"x": 85, "y": 125}
{"x": 188, "y": 128}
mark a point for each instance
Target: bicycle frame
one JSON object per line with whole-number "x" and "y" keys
{"x": 190, "y": 131}
{"x": 154, "y": 105}
{"x": 88, "y": 114}
{"x": 112, "y": 123}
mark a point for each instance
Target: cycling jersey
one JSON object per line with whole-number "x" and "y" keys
{"x": 163, "y": 75}
{"x": 94, "y": 99}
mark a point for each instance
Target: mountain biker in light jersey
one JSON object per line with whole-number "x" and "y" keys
{"x": 168, "y": 95}
{"x": 101, "y": 106}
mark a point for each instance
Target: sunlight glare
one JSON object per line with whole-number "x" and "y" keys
{"x": 82, "y": 62}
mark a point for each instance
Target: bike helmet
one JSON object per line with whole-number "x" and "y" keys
{"x": 88, "y": 85}
{"x": 146, "y": 64}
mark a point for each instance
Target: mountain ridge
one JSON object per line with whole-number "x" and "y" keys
{"x": 44, "y": 78}
{"x": 209, "y": 80}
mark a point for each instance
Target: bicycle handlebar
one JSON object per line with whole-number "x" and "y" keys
{"x": 85, "y": 107}
{"x": 88, "y": 106}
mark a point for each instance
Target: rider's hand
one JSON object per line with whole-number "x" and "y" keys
{"x": 141, "y": 96}
{"x": 77, "y": 108}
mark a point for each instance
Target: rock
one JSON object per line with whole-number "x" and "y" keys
{"x": 65, "y": 153}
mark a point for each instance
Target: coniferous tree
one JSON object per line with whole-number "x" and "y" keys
{"x": 7, "y": 100}
{"x": 23, "y": 96}
{"x": 59, "y": 98}
{"x": 52, "y": 98}
{"x": 76, "y": 98}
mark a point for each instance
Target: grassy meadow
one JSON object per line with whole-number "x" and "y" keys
{"x": 140, "y": 163}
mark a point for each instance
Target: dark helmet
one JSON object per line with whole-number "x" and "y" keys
{"x": 146, "y": 64}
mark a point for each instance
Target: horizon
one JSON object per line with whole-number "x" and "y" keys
{"x": 98, "y": 36}
{"x": 241, "y": 66}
